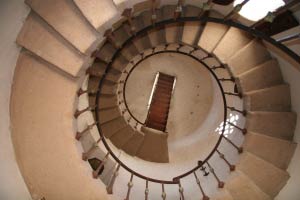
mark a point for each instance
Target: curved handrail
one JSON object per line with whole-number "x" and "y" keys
{"x": 230, "y": 23}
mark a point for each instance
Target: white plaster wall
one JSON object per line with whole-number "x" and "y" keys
{"x": 12, "y": 15}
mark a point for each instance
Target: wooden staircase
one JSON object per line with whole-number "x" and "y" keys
{"x": 160, "y": 103}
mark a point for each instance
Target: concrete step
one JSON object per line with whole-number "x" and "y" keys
{"x": 120, "y": 138}
{"x": 276, "y": 151}
{"x": 277, "y": 98}
{"x": 108, "y": 114}
{"x": 96, "y": 70}
{"x": 173, "y": 32}
{"x": 142, "y": 43}
{"x": 157, "y": 36}
{"x": 120, "y": 63}
{"x": 85, "y": 38}
{"x": 266, "y": 176}
{"x": 232, "y": 41}
{"x": 134, "y": 143}
{"x": 242, "y": 187}
{"x": 98, "y": 13}
{"x": 252, "y": 55}
{"x": 111, "y": 127}
{"x": 222, "y": 195}
{"x": 121, "y": 34}
{"x": 106, "y": 52}
{"x": 38, "y": 37}
{"x": 191, "y": 11}
{"x": 168, "y": 11}
{"x": 275, "y": 124}
{"x": 155, "y": 139}
{"x": 107, "y": 102}
{"x": 108, "y": 89}
{"x": 263, "y": 76}
{"x": 191, "y": 32}
{"x": 211, "y": 35}
{"x": 129, "y": 51}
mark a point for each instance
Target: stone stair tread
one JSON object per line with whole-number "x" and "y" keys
{"x": 120, "y": 63}
{"x": 95, "y": 70}
{"x": 222, "y": 195}
{"x": 154, "y": 139}
{"x": 276, "y": 98}
{"x": 129, "y": 51}
{"x": 168, "y": 11}
{"x": 107, "y": 102}
{"x": 252, "y": 55}
{"x": 122, "y": 136}
{"x": 111, "y": 127}
{"x": 108, "y": 89}
{"x": 190, "y": 33}
{"x": 241, "y": 187}
{"x": 142, "y": 42}
{"x": 275, "y": 124}
{"x": 157, "y": 36}
{"x": 84, "y": 39}
{"x": 259, "y": 77}
{"x": 274, "y": 150}
{"x": 191, "y": 11}
{"x": 134, "y": 143}
{"x": 97, "y": 12}
{"x": 42, "y": 40}
{"x": 121, "y": 34}
{"x": 211, "y": 35}
{"x": 232, "y": 41}
{"x": 108, "y": 114}
{"x": 173, "y": 32}
{"x": 265, "y": 175}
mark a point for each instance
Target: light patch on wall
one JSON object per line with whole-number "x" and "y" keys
{"x": 255, "y": 10}
{"x": 233, "y": 118}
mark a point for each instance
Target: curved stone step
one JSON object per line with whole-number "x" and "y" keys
{"x": 107, "y": 101}
{"x": 223, "y": 195}
{"x": 106, "y": 52}
{"x": 243, "y": 188}
{"x": 277, "y": 98}
{"x": 173, "y": 32}
{"x": 211, "y": 35}
{"x": 266, "y": 176}
{"x": 130, "y": 51}
{"x": 120, "y": 63}
{"x": 155, "y": 139}
{"x": 252, "y": 55}
{"x": 191, "y": 11}
{"x": 134, "y": 143}
{"x": 190, "y": 33}
{"x": 157, "y": 36}
{"x": 121, "y": 34}
{"x": 38, "y": 37}
{"x": 98, "y": 13}
{"x": 276, "y": 151}
{"x": 108, "y": 89}
{"x": 263, "y": 76}
{"x": 108, "y": 114}
{"x": 85, "y": 38}
{"x": 168, "y": 11}
{"x": 232, "y": 41}
{"x": 120, "y": 138}
{"x": 113, "y": 126}
{"x": 275, "y": 124}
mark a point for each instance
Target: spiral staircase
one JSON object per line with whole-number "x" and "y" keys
{"x": 70, "y": 82}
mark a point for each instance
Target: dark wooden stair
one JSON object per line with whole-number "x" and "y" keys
{"x": 160, "y": 103}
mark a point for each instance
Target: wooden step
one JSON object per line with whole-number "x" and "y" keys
{"x": 266, "y": 176}
{"x": 252, "y": 55}
{"x": 38, "y": 37}
{"x": 263, "y": 76}
{"x": 211, "y": 35}
{"x": 277, "y": 99}
{"x": 85, "y": 38}
{"x": 232, "y": 41}
{"x": 155, "y": 139}
{"x": 276, "y": 151}
{"x": 275, "y": 124}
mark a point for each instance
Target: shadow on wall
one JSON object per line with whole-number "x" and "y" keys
{"x": 233, "y": 118}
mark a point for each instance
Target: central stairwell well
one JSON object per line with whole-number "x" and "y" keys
{"x": 160, "y": 99}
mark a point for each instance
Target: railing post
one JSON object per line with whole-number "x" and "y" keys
{"x": 178, "y": 10}
{"x": 87, "y": 154}
{"x": 239, "y": 149}
{"x": 90, "y": 92}
{"x": 130, "y": 185}
{"x": 153, "y": 12}
{"x": 181, "y": 190}
{"x": 96, "y": 172}
{"x": 205, "y": 8}
{"x": 147, "y": 190}
{"x": 111, "y": 38}
{"x": 222, "y": 156}
{"x": 243, "y": 130}
{"x": 220, "y": 183}
{"x": 201, "y": 189}
{"x": 79, "y": 112}
{"x": 127, "y": 13}
{"x": 110, "y": 185}
{"x": 163, "y": 194}
{"x": 243, "y": 112}
{"x": 235, "y": 10}
{"x": 80, "y": 134}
